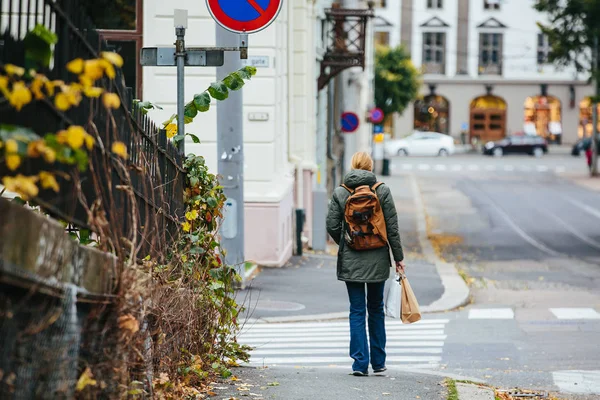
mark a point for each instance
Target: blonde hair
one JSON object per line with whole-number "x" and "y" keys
{"x": 362, "y": 160}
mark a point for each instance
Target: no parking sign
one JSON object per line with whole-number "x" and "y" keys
{"x": 244, "y": 16}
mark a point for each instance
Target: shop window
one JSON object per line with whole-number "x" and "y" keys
{"x": 432, "y": 114}
{"x": 543, "y": 117}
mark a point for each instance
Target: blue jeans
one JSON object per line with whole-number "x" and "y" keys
{"x": 359, "y": 348}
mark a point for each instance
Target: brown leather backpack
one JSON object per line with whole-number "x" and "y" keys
{"x": 364, "y": 219}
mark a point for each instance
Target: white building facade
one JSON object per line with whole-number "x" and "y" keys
{"x": 280, "y": 115}
{"x": 486, "y": 72}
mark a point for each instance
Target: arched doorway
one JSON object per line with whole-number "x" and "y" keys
{"x": 543, "y": 117}
{"x": 432, "y": 114}
{"x": 487, "y": 119}
{"x": 585, "y": 118}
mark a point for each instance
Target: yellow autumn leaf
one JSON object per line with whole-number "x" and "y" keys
{"x": 20, "y": 95}
{"x": 48, "y": 181}
{"x": 75, "y": 136}
{"x": 37, "y": 85}
{"x": 61, "y": 137}
{"x": 73, "y": 93}
{"x": 112, "y": 57}
{"x": 92, "y": 91}
{"x": 50, "y": 87}
{"x": 186, "y": 226}
{"x": 171, "y": 130}
{"x": 12, "y": 146}
{"x": 13, "y": 161}
{"x": 61, "y": 101}
{"x": 3, "y": 82}
{"x": 92, "y": 69}
{"x": 109, "y": 69}
{"x": 35, "y": 148}
{"x": 111, "y": 100}
{"x": 89, "y": 141}
{"x": 191, "y": 215}
{"x": 86, "y": 379}
{"x": 119, "y": 149}
{"x": 25, "y": 186}
{"x": 49, "y": 155}
{"x": 129, "y": 323}
{"x": 75, "y": 66}
{"x": 14, "y": 70}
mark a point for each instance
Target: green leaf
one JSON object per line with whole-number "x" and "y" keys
{"x": 81, "y": 158}
{"x": 226, "y": 373}
{"x": 212, "y": 202}
{"x": 234, "y": 81}
{"x": 190, "y": 110}
{"x": 195, "y": 138}
{"x": 187, "y": 120}
{"x": 218, "y": 90}
{"x": 178, "y": 138}
{"x": 197, "y": 250}
{"x": 38, "y": 47}
{"x": 217, "y": 285}
{"x": 249, "y": 70}
{"x": 202, "y": 101}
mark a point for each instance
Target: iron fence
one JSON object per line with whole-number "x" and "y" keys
{"x": 154, "y": 169}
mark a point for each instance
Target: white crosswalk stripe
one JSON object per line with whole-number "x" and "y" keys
{"x": 418, "y": 345}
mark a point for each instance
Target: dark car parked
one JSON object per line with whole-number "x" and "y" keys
{"x": 526, "y": 144}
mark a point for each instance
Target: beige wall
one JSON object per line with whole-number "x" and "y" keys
{"x": 460, "y": 95}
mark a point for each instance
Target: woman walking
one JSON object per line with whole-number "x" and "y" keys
{"x": 365, "y": 236}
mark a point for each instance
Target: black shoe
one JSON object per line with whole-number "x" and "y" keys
{"x": 360, "y": 373}
{"x": 380, "y": 370}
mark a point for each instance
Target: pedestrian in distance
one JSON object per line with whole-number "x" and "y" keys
{"x": 362, "y": 220}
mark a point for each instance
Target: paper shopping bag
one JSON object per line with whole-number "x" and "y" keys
{"x": 409, "y": 305}
{"x": 392, "y": 297}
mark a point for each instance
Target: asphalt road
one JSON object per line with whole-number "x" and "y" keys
{"x": 528, "y": 238}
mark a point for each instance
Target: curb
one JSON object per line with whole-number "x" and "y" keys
{"x": 468, "y": 391}
{"x": 456, "y": 292}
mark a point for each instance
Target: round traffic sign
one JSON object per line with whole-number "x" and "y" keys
{"x": 244, "y": 16}
{"x": 376, "y": 115}
{"x": 349, "y": 122}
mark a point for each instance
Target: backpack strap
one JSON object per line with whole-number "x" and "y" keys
{"x": 347, "y": 188}
{"x": 375, "y": 186}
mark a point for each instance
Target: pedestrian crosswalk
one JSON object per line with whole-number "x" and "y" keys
{"x": 418, "y": 345}
{"x": 567, "y": 313}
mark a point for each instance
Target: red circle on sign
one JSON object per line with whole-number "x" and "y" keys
{"x": 267, "y": 16}
{"x": 376, "y": 115}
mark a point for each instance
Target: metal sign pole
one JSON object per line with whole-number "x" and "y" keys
{"x": 180, "y": 25}
{"x": 230, "y": 152}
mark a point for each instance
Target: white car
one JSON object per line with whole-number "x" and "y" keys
{"x": 421, "y": 144}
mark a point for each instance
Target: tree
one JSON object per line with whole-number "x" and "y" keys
{"x": 397, "y": 80}
{"x": 573, "y": 34}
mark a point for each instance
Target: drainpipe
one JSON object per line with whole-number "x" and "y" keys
{"x": 300, "y": 214}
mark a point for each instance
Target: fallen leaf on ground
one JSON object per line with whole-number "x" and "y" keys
{"x": 129, "y": 323}
{"x": 85, "y": 379}
{"x": 273, "y": 384}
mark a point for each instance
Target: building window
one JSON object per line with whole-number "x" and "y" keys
{"x": 120, "y": 24}
{"x": 543, "y": 48}
{"x": 434, "y": 52}
{"x": 435, "y": 4}
{"x": 490, "y": 53}
{"x": 382, "y": 38}
{"x": 491, "y": 4}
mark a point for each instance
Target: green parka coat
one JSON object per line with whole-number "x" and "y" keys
{"x": 367, "y": 265}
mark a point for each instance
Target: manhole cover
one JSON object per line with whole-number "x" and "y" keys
{"x": 272, "y": 305}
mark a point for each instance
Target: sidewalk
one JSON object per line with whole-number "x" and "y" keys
{"x": 307, "y": 289}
